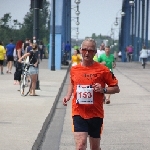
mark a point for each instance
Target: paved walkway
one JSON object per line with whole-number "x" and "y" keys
{"x": 127, "y": 118}
{"x": 126, "y": 123}
{"x": 22, "y": 118}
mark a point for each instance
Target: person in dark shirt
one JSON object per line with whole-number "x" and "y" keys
{"x": 29, "y": 48}
{"x": 68, "y": 49}
{"x": 33, "y": 70}
{"x": 9, "y": 54}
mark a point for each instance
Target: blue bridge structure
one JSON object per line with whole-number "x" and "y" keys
{"x": 134, "y": 28}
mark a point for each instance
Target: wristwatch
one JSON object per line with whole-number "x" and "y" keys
{"x": 104, "y": 90}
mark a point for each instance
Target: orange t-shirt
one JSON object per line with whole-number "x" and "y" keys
{"x": 81, "y": 75}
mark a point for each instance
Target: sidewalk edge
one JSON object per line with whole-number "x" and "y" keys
{"x": 47, "y": 121}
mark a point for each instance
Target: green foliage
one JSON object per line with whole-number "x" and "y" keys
{"x": 19, "y": 31}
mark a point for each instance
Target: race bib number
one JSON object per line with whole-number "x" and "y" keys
{"x": 84, "y": 94}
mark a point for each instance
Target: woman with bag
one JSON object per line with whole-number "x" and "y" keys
{"x": 144, "y": 56}
{"x": 18, "y": 72}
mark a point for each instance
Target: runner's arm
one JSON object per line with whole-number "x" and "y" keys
{"x": 69, "y": 93}
{"x": 114, "y": 64}
{"x": 112, "y": 83}
{"x": 112, "y": 89}
{"x": 70, "y": 90}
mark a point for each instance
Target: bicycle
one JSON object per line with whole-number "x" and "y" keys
{"x": 26, "y": 81}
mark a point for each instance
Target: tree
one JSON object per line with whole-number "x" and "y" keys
{"x": 44, "y": 20}
{"x": 27, "y": 26}
{"x": 19, "y": 31}
{"x": 94, "y": 36}
{"x": 5, "y": 20}
{"x": 5, "y": 30}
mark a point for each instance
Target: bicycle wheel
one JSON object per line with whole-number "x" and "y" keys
{"x": 25, "y": 85}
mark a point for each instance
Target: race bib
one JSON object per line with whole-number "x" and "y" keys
{"x": 84, "y": 94}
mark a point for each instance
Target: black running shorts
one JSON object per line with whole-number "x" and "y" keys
{"x": 1, "y": 62}
{"x": 92, "y": 126}
{"x": 10, "y": 58}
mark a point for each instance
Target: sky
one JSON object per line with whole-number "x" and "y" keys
{"x": 96, "y": 16}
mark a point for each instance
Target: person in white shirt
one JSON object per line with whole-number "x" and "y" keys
{"x": 144, "y": 56}
{"x": 101, "y": 50}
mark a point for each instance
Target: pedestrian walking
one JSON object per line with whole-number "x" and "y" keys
{"x": 101, "y": 50}
{"x": 33, "y": 70}
{"x": 41, "y": 50}
{"x": 144, "y": 56}
{"x": 2, "y": 56}
{"x": 115, "y": 55}
{"x": 18, "y": 72}
{"x": 129, "y": 51}
{"x": 68, "y": 50}
{"x": 108, "y": 60}
{"x": 87, "y": 85}
{"x": 9, "y": 55}
{"x": 76, "y": 58}
{"x": 120, "y": 55}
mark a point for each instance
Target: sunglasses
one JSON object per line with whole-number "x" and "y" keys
{"x": 84, "y": 50}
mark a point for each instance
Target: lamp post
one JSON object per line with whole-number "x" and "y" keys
{"x": 77, "y": 12}
{"x": 53, "y": 39}
{"x": 77, "y": 33}
{"x": 132, "y": 18}
{"x": 36, "y": 5}
{"x": 118, "y": 22}
{"x": 117, "y": 18}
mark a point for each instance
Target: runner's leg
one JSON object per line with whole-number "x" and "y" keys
{"x": 81, "y": 140}
{"x": 94, "y": 143}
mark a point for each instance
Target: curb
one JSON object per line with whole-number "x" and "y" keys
{"x": 39, "y": 139}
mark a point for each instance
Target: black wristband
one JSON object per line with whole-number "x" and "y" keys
{"x": 104, "y": 90}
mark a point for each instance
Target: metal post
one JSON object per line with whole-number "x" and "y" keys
{"x": 135, "y": 33}
{"x": 143, "y": 19}
{"x": 63, "y": 29}
{"x": 53, "y": 39}
{"x": 69, "y": 24}
{"x": 138, "y": 30}
{"x": 125, "y": 32}
{"x": 132, "y": 7}
{"x": 36, "y": 30}
{"x": 128, "y": 22}
{"x": 147, "y": 19}
{"x": 36, "y": 21}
